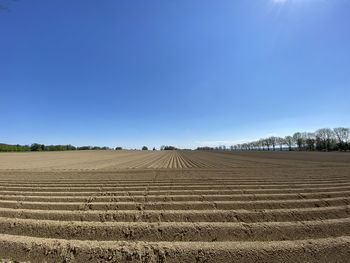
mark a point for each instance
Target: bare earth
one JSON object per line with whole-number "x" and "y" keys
{"x": 174, "y": 206}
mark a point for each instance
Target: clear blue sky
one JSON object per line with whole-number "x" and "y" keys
{"x": 185, "y": 73}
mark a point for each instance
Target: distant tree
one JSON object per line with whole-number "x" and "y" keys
{"x": 36, "y": 147}
{"x": 298, "y": 138}
{"x": 268, "y": 143}
{"x": 154, "y": 149}
{"x": 205, "y": 148}
{"x": 166, "y": 148}
{"x": 325, "y": 139}
{"x": 257, "y": 145}
{"x": 13, "y": 148}
{"x": 82, "y": 148}
{"x": 310, "y": 141}
{"x": 254, "y": 146}
{"x": 322, "y": 140}
{"x": 144, "y": 148}
{"x": 289, "y": 142}
{"x": 342, "y": 136}
{"x": 118, "y": 148}
{"x": 250, "y": 146}
{"x": 71, "y": 147}
{"x": 280, "y": 142}
{"x": 273, "y": 141}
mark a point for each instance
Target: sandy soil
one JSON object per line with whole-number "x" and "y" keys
{"x": 133, "y": 206}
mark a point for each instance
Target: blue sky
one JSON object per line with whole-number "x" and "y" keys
{"x": 186, "y": 73}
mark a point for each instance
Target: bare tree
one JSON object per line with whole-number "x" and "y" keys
{"x": 281, "y": 142}
{"x": 273, "y": 141}
{"x": 268, "y": 143}
{"x": 324, "y": 137}
{"x": 289, "y": 141}
{"x": 329, "y": 138}
{"x": 298, "y": 138}
{"x": 256, "y": 145}
{"x": 262, "y": 144}
{"x": 342, "y": 135}
{"x": 251, "y": 146}
{"x": 310, "y": 141}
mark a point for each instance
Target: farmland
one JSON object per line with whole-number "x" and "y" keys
{"x": 175, "y": 206}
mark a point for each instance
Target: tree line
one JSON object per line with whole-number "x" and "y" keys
{"x": 36, "y": 147}
{"x": 168, "y": 148}
{"x": 325, "y": 139}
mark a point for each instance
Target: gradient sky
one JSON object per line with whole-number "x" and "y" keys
{"x": 185, "y": 73}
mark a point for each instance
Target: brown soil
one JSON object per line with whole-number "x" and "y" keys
{"x": 172, "y": 206}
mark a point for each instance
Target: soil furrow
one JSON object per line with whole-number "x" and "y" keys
{"x": 175, "y": 206}
{"x": 179, "y": 231}
{"x": 193, "y": 197}
{"x": 59, "y": 250}
{"x": 179, "y": 192}
{"x": 265, "y": 215}
{"x": 180, "y": 187}
{"x": 178, "y": 205}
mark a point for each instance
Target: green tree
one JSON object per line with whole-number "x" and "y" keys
{"x": 36, "y": 147}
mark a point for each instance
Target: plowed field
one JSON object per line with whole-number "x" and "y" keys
{"x": 175, "y": 206}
